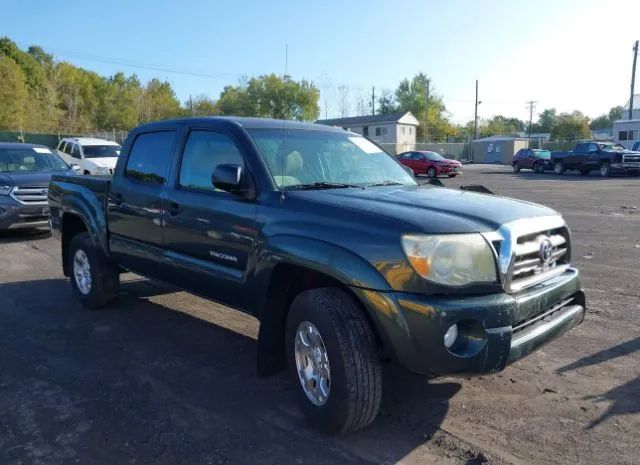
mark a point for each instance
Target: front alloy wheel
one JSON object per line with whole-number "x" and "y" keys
{"x": 312, "y": 363}
{"x": 82, "y": 271}
{"x": 431, "y": 172}
{"x": 605, "y": 170}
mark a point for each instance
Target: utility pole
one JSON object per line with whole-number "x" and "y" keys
{"x": 532, "y": 106}
{"x": 633, "y": 78}
{"x": 475, "y": 117}
{"x": 191, "y": 105}
{"x": 373, "y": 100}
{"x": 426, "y": 112}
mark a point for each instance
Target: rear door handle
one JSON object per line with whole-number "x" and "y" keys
{"x": 174, "y": 209}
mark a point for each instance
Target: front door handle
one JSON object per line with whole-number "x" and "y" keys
{"x": 117, "y": 199}
{"x": 174, "y": 209}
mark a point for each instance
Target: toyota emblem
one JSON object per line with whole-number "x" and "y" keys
{"x": 546, "y": 251}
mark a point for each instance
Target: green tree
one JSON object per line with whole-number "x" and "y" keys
{"x": 120, "y": 102}
{"x": 501, "y": 126}
{"x": 13, "y": 94}
{"x": 547, "y": 120}
{"x": 202, "y": 106}
{"x": 571, "y": 126}
{"x": 272, "y": 97}
{"x": 159, "y": 101}
{"x": 606, "y": 121}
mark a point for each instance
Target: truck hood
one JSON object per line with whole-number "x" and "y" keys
{"x": 28, "y": 178}
{"x": 107, "y": 162}
{"x": 431, "y": 209}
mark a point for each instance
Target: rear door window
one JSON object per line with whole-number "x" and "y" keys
{"x": 150, "y": 157}
{"x": 75, "y": 151}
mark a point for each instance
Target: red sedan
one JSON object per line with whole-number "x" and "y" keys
{"x": 430, "y": 163}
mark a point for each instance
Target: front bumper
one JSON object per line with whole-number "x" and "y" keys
{"x": 498, "y": 329}
{"x": 629, "y": 167}
{"x": 14, "y": 215}
{"x": 446, "y": 169}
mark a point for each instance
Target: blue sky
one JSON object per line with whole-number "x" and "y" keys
{"x": 567, "y": 54}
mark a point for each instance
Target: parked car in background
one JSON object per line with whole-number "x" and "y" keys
{"x": 606, "y": 157}
{"x": 344, "y": 259}
{"x": 93, "y": 156}
{"x": 430, "y": 163}
{"x": 537, "y": 160}
{"x": 25, "y": 171}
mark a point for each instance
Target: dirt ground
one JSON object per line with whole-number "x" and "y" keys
{"x": 163, "y": 377}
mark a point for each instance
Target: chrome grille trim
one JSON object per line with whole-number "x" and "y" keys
{"x": 512, "y": 242}
{"x": 30, "y": 195}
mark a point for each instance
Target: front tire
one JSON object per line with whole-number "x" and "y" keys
{"x": 558, "y": 167}
{"x": 605, "y": 170}
{"x": 332, "y": 354}
{"x": 95, "y": 282}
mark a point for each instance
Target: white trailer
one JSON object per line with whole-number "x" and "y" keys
{"x": 626, "y": 132}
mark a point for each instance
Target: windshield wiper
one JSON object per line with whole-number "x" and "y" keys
{"x": 320, "y": 185}
{"x": 385, "y": 183}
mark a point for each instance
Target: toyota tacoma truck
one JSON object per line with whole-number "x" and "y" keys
{"x": 606, "y": 157}
{"x": 343, "y": 258}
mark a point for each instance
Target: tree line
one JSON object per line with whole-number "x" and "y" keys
{"x": 39, "y": 94}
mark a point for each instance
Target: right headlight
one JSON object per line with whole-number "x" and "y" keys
{"x": 451, "y": 259}
{"x": 5, "y": 190}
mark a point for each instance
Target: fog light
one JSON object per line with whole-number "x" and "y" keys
{"x": 450, "y": 336}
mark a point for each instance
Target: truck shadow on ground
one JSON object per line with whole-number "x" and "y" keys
{"x": 140, "y": 382}
{"x": 549, "y": 176}
{"x": 624, "y": 398}
{"x": 18, "y": 235}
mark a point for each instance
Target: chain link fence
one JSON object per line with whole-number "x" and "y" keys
{"x": 52, "y": 139}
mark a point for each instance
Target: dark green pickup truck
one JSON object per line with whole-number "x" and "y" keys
{"x": 345, "y": 260}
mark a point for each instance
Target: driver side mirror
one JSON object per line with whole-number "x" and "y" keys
{"x": 75, "y": 167}
{"x": 227, "y": 178}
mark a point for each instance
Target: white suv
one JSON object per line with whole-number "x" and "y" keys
{"x": 92, "y": 156}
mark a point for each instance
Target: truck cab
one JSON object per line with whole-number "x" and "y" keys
{"x": 605, "y": 157}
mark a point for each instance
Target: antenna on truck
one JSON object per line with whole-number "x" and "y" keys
{"x": 284, "y": 120}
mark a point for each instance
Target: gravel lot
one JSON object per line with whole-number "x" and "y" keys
{"x": 163, "y": 377}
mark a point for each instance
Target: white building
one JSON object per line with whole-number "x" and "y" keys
{"x": 396, "y": 132}
{"x": 627, "y": 131}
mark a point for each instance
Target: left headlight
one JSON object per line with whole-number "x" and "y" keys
{"x": 5, "y": 190}
{"x": 451, "y": 259}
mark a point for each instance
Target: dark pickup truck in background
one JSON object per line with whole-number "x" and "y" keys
{"x": 345, "y": 260}
{"x": 606, "y": 157}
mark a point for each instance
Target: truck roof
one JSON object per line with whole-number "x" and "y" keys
{"x": 91, "y": 141}
{"x": 248, "y": 122}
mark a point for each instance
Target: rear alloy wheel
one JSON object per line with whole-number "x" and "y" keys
{"x": 431, "y": 172}
{"x": 605, "y": 170}
{"x": 94, "y": 280}
{"x": 333, "y": 359}
{"x": 558, "y": 167}
{"x": 516, "y": 167}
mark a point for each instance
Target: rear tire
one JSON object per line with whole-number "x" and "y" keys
{"x": 516, "y": 167}
{"x": 453, "y": 175}
{"x": 95, "y": 282}
{"x": 558, "y": 167}
{"x": 347, "y": 343}
{"x": 605, "y": 170}
{"x": 432, "y": 173}
{"x": 584, "y": 172}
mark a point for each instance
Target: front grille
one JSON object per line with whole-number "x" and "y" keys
{"x": 539, "y": 255}
{"x": 631, "y": 158}
{"x": 30, "y": 195}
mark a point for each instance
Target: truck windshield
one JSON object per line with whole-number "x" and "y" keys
{"x": 611, "y": 147}
{"x": 324, "y": 159}
{"x": 101, "y": 151}
{"x": 30, "y": 159}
